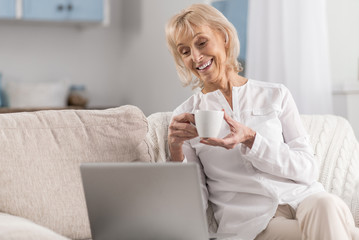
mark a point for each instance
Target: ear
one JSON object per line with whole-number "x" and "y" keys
{"x": 226, "y": 42}
{"x": 225, "y": 39}
{"x": 224, "y": 35}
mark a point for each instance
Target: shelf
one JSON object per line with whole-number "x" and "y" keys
{"x": 15, "y": 110}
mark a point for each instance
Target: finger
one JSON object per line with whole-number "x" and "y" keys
{"x": 184, "y": 117}
{"x": 177, "y": 134}
{"x": 176, "y": 140}
{"x": 186, "y": 127}
{"x": 227, "y": 142}
{"x": 218, "y": 144}
{"x": 212, "y": 141}
{"x": 233, "y": 124}
{"x": 228, "y": 119}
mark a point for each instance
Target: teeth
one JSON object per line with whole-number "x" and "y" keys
{"x": 205, "y": 65}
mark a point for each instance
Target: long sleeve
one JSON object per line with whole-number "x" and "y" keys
{"x": 292, "y": 158}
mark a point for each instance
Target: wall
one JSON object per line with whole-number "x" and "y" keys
{"x": 343, "y": 20}
{"x": 124, "y": 63}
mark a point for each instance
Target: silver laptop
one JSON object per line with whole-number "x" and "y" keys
{"x": 142, "y": 201}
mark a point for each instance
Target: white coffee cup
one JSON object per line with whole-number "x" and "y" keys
{"x": 208, "y": 123}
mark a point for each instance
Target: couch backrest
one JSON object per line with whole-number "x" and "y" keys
{"x": 40, "y": 154}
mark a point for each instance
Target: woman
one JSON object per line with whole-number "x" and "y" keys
{"x": 260, "y": 173}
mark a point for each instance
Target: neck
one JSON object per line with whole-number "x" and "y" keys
{"x": 225, "y": 84}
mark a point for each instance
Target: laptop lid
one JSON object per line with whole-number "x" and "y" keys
{"x": 143, "y": 201}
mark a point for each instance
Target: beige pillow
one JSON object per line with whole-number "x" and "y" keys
{"x": 40, "y": 154}
{"x": 16, "y": 228}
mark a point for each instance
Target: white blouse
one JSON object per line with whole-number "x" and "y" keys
{"x": 246, "y": 185}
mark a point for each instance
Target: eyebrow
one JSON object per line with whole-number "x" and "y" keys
{"x": 180, "y": 44}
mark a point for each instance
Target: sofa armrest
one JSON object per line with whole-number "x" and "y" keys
{"x": 337, "y": 151}
{"x": 17, "y": 228}
{"x": 157, "y": 135}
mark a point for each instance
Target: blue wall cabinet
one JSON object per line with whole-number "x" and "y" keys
{"x": 87, "y": 10}
{"x": 237, "y": 13}
{"x": 64, "y": 10}
{"x": 7, "y": 9}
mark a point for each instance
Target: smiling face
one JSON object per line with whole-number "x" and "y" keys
{"x": 204, "y": 54}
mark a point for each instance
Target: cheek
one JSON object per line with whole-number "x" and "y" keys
{"x": 188, "y": 64}
{"x": 222, "y": 54}
{"x": 220, "y": 61}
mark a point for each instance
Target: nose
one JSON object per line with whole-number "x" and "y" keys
{"x": 196, "y": 55}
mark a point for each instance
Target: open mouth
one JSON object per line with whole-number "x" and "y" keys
{"x": 205, "y": 65}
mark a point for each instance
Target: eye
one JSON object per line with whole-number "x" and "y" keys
{"x": 202, "y": 43}
{"x": 184, "y": 51}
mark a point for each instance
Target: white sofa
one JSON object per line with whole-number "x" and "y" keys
{"x": 41, "y": 194}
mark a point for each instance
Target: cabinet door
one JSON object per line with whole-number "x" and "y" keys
{"x": 52, "y": 10}
{"x": 63, "y": 10}
{"x": 86, "y": 10}
{"x": 7, "y": 8}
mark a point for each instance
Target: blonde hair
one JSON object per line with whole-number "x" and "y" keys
{"x": 183, "y": 24}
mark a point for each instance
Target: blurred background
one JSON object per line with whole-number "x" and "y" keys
{"x": 107, "y": 53}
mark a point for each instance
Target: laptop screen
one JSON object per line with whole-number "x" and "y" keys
{"x": 144, "y": 201}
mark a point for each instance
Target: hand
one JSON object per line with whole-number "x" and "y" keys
{"x": 180, "y": 130}
{"x": 239, "y": 134}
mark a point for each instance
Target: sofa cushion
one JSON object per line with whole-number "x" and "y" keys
{"x": 16, "y": 228}
{"x": 40, "y": 157}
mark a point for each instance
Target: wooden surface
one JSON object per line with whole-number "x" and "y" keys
{"x": 14, "y": 110}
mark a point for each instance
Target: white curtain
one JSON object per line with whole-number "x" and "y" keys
{"x": 287, "y": 43}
